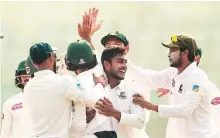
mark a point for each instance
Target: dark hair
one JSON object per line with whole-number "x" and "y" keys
{"x": 191, "y": 55}
{"x": 89, "y": 65}
{"x": 111, "y": 52}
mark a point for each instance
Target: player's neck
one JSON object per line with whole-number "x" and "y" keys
{"x": 113, "y": 82}
{"x": 183, "y": 67}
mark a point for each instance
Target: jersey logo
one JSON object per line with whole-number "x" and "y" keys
{"x": 81, "y": 61}
{"x": 17, "y": 106}
{"x": 216, "y": 101}
{"x": 3, "y": 116}
{"x": 173, "y": 83}
{"x": 180, "y": 88}
{"x": 195, "y": 88}
{"x": 122, "y": 95}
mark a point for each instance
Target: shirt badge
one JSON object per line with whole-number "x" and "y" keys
{"x": 180, "y": 88}
{"x": 215, "y": 101}
{"x": 195, "y": 88}
{"x": 122, "y": 95}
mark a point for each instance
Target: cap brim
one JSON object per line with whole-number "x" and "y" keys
{"x": 170, "y": 45}
{"x": 105, "y": 38}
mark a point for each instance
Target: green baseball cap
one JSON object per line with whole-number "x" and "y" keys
{"x": 30, "y": 68}
{"x": 39, "y": 52}
{"x": 117, "y": 35}
{"x": 182, "y": 41}
{"x": 79, "y": 53}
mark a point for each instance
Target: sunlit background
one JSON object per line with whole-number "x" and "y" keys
{"x": 146, "y": 25}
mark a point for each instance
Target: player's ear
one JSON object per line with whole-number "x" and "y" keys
{"x": 197, "y": 59}
{"x": 106, "y": 65}
{"x": 127, "y": 48}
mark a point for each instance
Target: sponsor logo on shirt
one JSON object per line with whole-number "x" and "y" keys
{"x": 17, "y": 106}
{"x": 215, "y": 101}
{"x": 195, "y": 88}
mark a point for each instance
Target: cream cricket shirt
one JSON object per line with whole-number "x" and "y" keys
{"x": 47, "y": 105}
{"x": 132, "y": 116}
{"x": 191, "y": 108}
{"x": 99, "y": 122}
{"x": 11, "y": 117}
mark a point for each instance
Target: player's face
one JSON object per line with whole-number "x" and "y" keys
{"x": 175, "y": 57}
{"x": 114, "y": 41}
{"x": 22, "y": 80}
{"x": 25, "y": 78}
{"x": 118, "y": 67}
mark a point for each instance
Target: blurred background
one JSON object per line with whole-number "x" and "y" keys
{"x": 146, "y": 25}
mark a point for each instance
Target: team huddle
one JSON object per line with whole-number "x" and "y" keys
{"x": 105, "y": 95}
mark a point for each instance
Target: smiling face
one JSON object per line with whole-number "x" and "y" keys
{"x": 116, "y": 67}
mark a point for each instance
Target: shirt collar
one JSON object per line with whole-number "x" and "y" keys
{"x": 121, "y": 85}
{"x": 188, "y": 70}
{"x": 43, "y": 73}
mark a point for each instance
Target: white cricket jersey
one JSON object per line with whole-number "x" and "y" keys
{"x": 134, "y": 74}
{"x": 215, "y": 101}
{"x": 99, "y": 122}
{"x": 191, "y": 109}
{"x": 11, "y": 119}
{"x": 132, "y": 116}
{"x": 47, "y": 105}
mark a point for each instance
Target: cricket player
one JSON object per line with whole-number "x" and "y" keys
{"x": 88, "y": 28}
{"x": 48, "y": 96}
{"x": 11, "y": 116}
{"x": 118, "y": 105}
{"x": 191, "y": 92}
{"x": 81, "y": 60}
{"x": 198, "y": 55}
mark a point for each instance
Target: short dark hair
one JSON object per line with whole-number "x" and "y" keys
{"x": 111, "y": 52}
{"x": 191, "y": 54}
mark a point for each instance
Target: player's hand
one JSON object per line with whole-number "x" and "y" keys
{"x": 161, "y": 92}
{"x": 100, "y": 79}
{"x": 90, "y": 114}
{"x": 89, "y": 25}
{"x": 139, "y": 100}
{"x": 105, "y": 107}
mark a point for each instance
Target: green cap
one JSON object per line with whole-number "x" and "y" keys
{"x": 21, "y": 68}
{"x": 79, "y": 53}
{"x": 182, "y": 41}
{"x": 30, "y": 68}
{"x": 117, "y": 35}
{"x": 198, "y": 52}
{"x": 39, "y": 52}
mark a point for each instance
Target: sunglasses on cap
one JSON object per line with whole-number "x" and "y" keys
{"x": 176, "y": 39}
